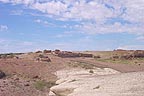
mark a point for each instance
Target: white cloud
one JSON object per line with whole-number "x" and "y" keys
{"x": 140, "y": 38}
{"x": 37, "y": 21}
{"x": 98, "y": 11}
{"x": 134, "y": 11}
{"x": 132, "y": 47}
{"x": 62, "y": 35}
{"x": 16, "y": 46}
{"x": 3, "y": 28}
{"x": 53, "y": 8}
{"x": 91, "y": 28}
{"x": 5, "y": 1}
{"x": 44, "y": 22}
{"x": 26, "y": 43}
{"x": 17, "y": 12}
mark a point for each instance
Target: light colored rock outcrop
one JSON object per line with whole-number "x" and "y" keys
{"x": 99, "y": 82}
{"x": 51, "y": 94}
{"x": 76, "y": 80}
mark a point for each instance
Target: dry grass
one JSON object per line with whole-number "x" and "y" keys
{"x": 81, "y": 65}
{"x": 41, "y": 85}
{"x": 123, "y": 61}
{"x": 107, "y": 56}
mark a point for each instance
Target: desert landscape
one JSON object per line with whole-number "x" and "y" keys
{"x": 66, "y": 73}
{"x": 71, "y": 47}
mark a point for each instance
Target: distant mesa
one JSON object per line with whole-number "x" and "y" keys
{"x": 38, "y": 52}
{"x": 57, "y": 51}
{"x": 129, "y": 54}
{"x": 47, "y": 51}
{"x": 119, "y": 50}
{"x": 64, "y": 54}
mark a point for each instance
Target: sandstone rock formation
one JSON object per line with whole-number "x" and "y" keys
{"x": 38, "y": 52}
{"x": 57, "y": 51}
{"x": 138, "y": 54}
{"x": 43, "y": 58}
{"x": 103, "y": 82}
{"x": 47, "y": 51}
{"x": 65, "y": 54}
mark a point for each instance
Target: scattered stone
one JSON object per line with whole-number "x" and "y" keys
{"x": 46, "y": 59}
{"x": 26, "y": 85}
{"x": 2, "y": 90}
{"x": 43, "y": 58}
{"x": 96, "y": 56}
{"x": 28, "y": 81}
{"x": 2, "y": 74}
{"x": 16, "y": 79}
{"x": 36, "y": 77}
{"x": 4, "y": 81}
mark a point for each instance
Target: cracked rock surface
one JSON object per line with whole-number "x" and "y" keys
{"x": 98, "y": 82}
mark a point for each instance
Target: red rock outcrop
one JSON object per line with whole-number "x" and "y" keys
{"x": 66, "y": 54}
{"x": 47, "y": 51}
{"x": 43, "y": 58}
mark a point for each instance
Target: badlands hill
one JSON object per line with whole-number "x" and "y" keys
{"x": 64, "y": 73}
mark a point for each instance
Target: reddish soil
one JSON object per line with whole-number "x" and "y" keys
{"x": 22, "y": 73}
{"x": 119, "y": 67}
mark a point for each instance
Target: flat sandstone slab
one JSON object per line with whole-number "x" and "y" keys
{"x": 100, "y": 82}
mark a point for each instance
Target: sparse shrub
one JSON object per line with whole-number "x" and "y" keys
{"x": 96, "y": 56}
{"x": 82, "y": 65}
{"x": 91, "y": 71}
{"x": 8, "y": 55}
{"x": 115, "y": 57}
{"x": 40, "y": 85}
{"x": 97, "y": 87}
{"x": 41, "y": 56}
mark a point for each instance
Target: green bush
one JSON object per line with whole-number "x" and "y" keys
{"x": 40, "y": 85}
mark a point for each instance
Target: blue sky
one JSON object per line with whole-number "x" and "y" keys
{"x": 30, "y": 25}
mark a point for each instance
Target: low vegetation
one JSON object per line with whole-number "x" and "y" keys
{"x": 91, "y": 71}
{"x": 81, "y": 65}
{"x": 9, "y": 55}
{"x": 120, "y": 57}
{"x": 41, "y": 85}
{"x": 97, "y": 87}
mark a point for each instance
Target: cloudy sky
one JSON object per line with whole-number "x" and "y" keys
{"x": 29, "y": 25}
